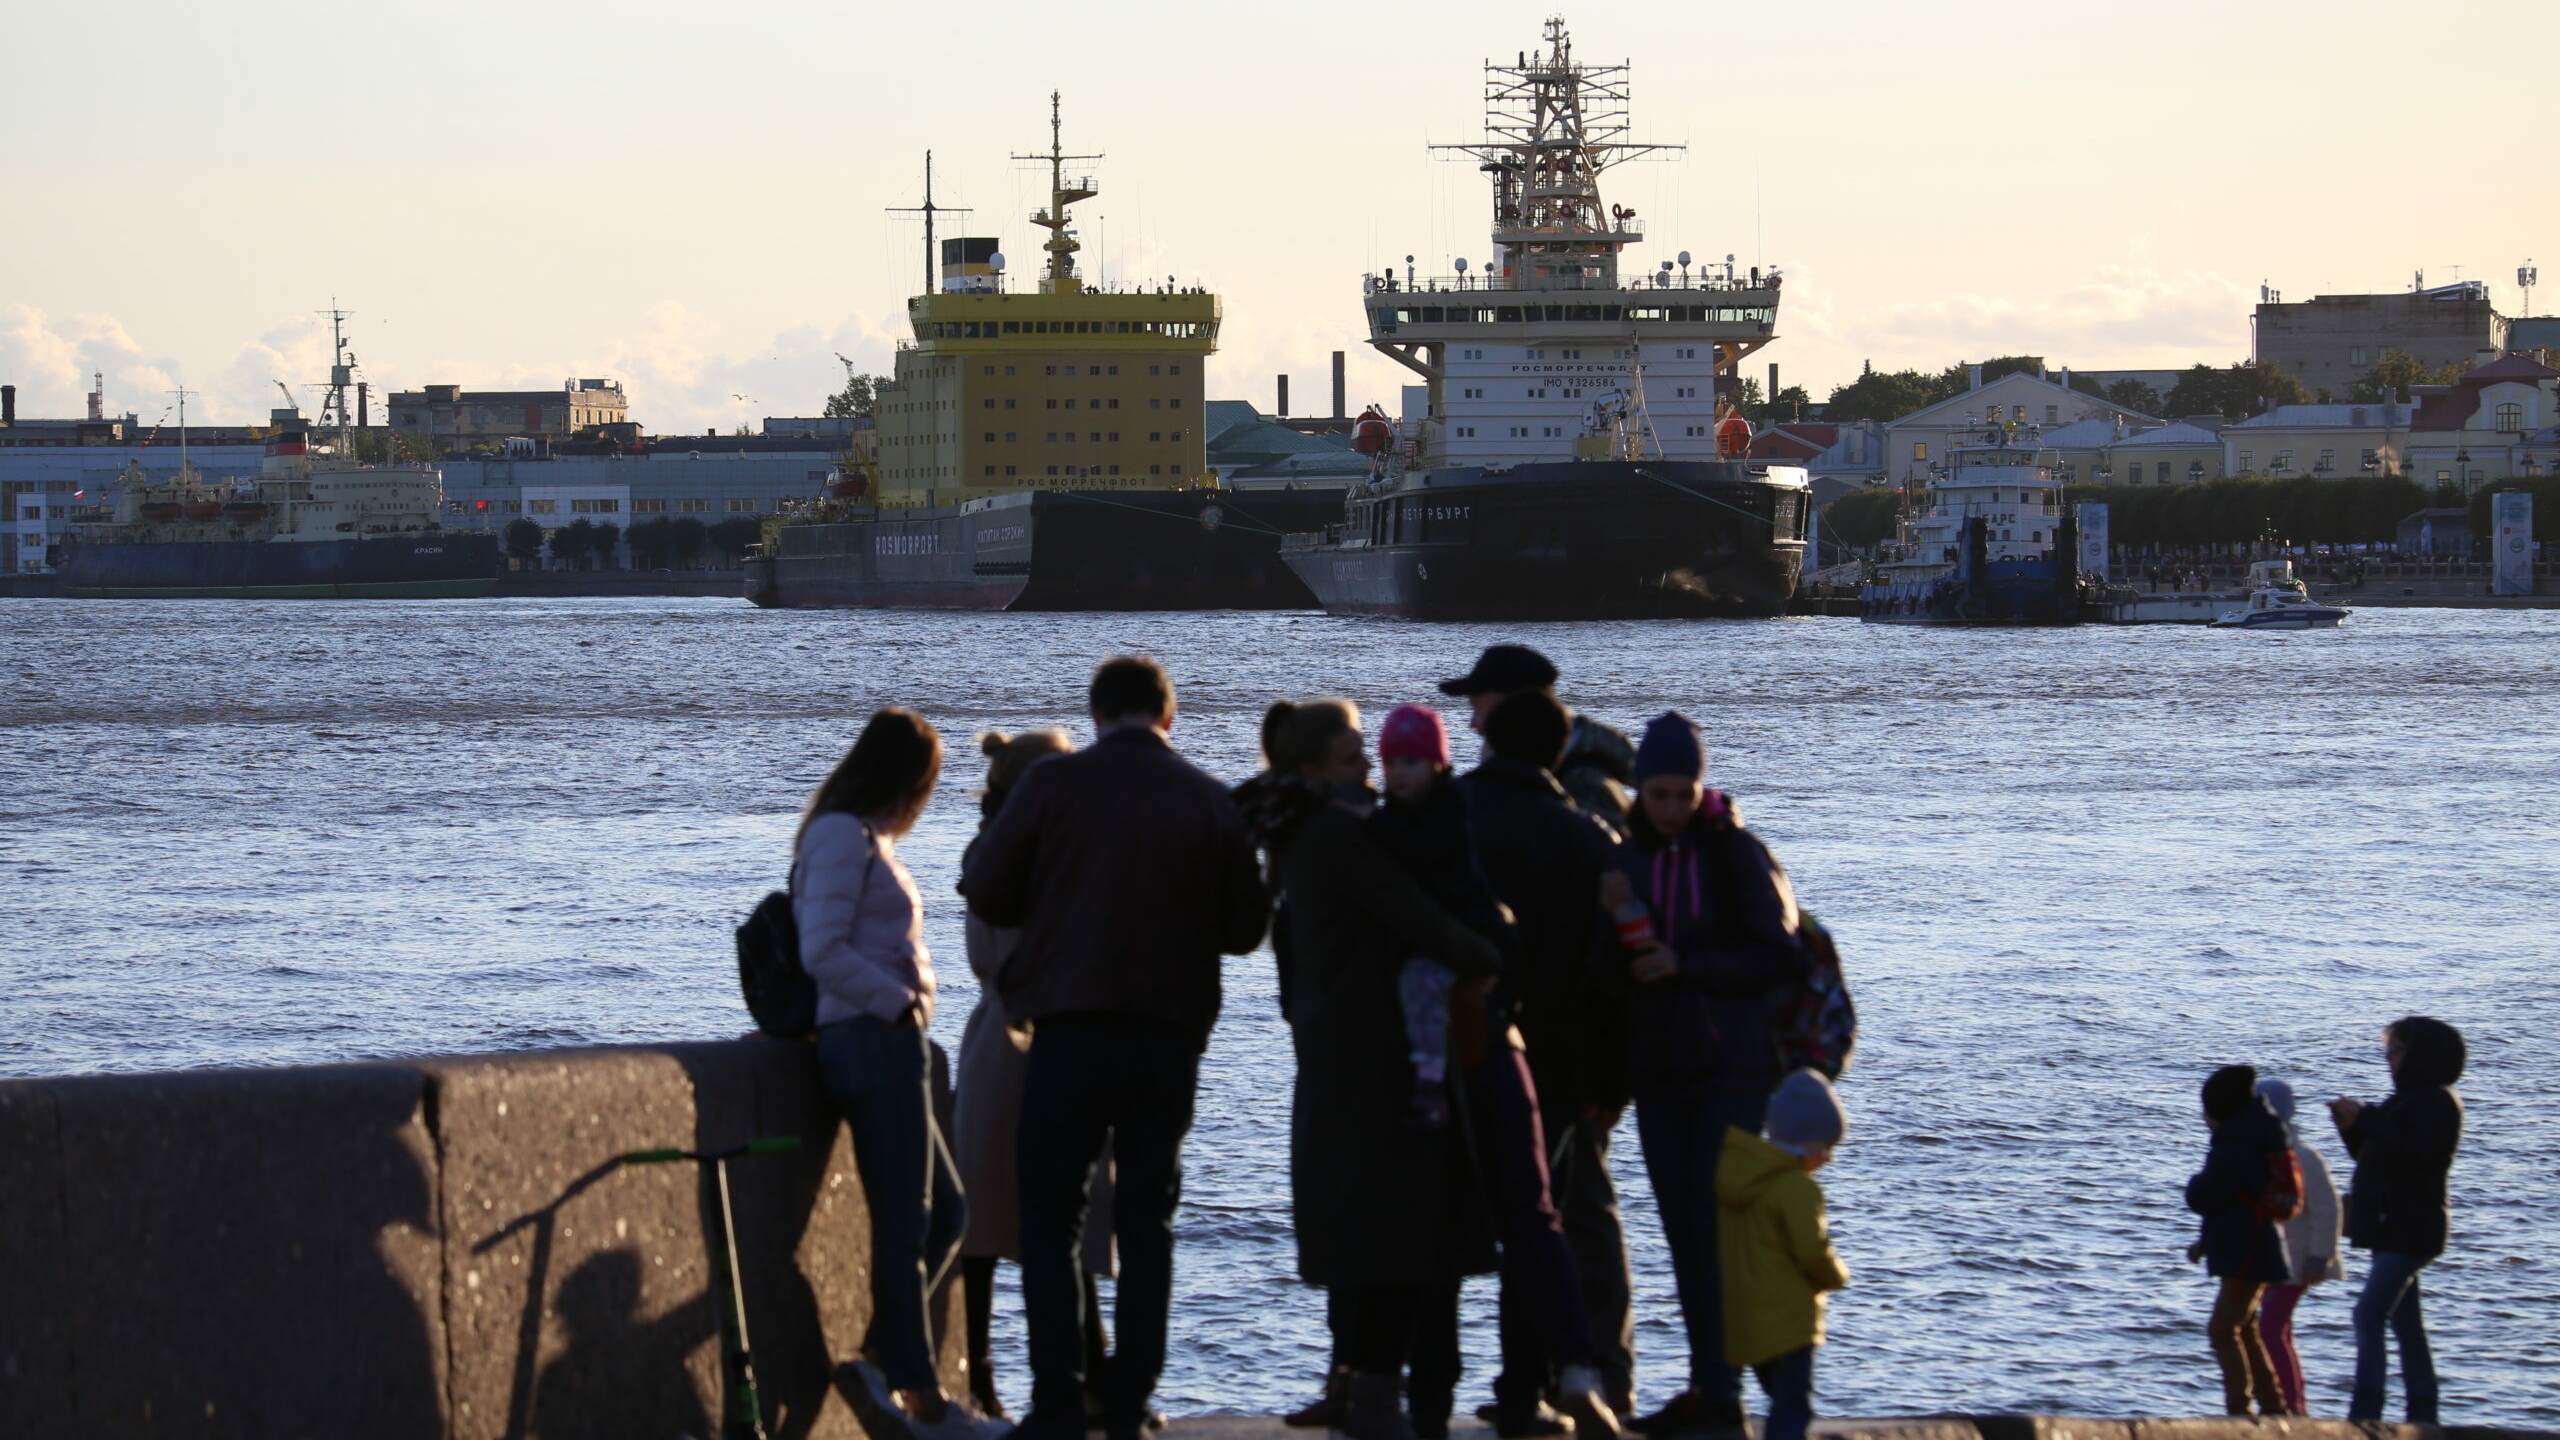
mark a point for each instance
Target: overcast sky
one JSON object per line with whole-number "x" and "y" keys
{"x": 690, "y": 198}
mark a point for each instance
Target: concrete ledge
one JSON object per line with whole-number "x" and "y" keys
{"x": 429, "y": 1248}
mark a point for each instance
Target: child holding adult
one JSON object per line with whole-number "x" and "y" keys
{"x": 1425, "y": 827}
{"x": 2396, "y": 1205}
{"x": 1774, "y": 1244}
{"x": 1714, "y": 939}
{"x": 2310, "y": 1245}
{"x": 2242, "y": 1245}
{"x": 861, "y": 927}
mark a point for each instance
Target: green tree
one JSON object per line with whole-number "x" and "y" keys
{"x": 860, "y": 395}
{"x": 393, "y": 447}
{"x": 732, "y": 534}
{"x": 601, "y": 543}
{"x": 1999, "y": 366}
{"x": 1860, "y": 518}
{"x": 2546, "y": 506}
{"x": 2133, "y": 395}
{"x": 2362, "y": 510}
{"x": 570, "y": 543}
{"x": 649, "y": 540}
{"x": 685, "y": 539}
{"x": 2393, "y": 378}
{"x": 523, "y": 539}
{"x": 1890, "y": 395}
{"x": 1790, "y": 404}
{"x": 2246, "y": 388}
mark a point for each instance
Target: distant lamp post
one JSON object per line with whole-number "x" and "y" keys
{"x": 2106, "y": 474}
{"x": 2372, "y": 463}
{"x": 2195, "y": 472}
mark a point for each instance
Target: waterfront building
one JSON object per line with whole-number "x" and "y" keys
{"x": 2182, "y": 452}
{"x": 2486, "y": 427}
{"x": 2013, "y": 403}
{"x": 2330, "y": 341}
{"x": 2322, "y": 442}
{"x": 457, "y": 419}
{"x": 1249, "y": 450}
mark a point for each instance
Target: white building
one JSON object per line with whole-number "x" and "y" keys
{"x": 2013, "y": 404}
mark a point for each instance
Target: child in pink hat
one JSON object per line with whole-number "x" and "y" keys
{"x": 1425, "y": 828}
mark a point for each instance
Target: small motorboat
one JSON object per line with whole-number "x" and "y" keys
{"x": 2278, "y": 600}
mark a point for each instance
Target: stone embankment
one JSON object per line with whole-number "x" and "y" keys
{"x": 423, "y": 1248}
{"x": 448, "y": 1249}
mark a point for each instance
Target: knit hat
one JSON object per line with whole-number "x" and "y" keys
{"x": 1414, "y": 732}
{"x": 1671, "y": 746}
{"x": 1804, "y": 1112}
{"x": 2279, "y": 1098}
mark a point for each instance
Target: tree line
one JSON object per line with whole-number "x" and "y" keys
{"x": 2234, "y": 392}
{"x": 660, "y": 542}
{"x": 2365, "y": 510}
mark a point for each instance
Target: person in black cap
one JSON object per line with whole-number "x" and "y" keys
{"x": 1599, "y": 761}
{"x": 1597, "y": 768}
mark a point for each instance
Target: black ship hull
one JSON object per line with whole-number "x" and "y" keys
{"x": 1987, "y": 592}
{"x": 1053, "y": 550}
{"x": 1577, "y": 540}
{"x": 420, "y": 565}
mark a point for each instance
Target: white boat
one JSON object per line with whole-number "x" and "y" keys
{"x": 2278, "y": 600}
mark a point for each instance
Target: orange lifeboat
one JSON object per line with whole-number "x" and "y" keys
{"x": 1372, "y": 434}
{"x": 847, "y": 484}
{"x": 243, "y": 510}
{"x": 161, "y": 511}
{"x": 1733, "y": 436}
{"x": 204, "y": 509}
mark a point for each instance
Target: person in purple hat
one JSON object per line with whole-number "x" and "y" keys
{"x": 1714, "y": 942}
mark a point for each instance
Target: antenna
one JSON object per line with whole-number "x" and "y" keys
{"x": 182, "y": 393}
{"x": 1061, "y": 279}
{"x": 928, "y": 210}
{"x": 342, "y": 368}
{"x": 2526, "y": 278}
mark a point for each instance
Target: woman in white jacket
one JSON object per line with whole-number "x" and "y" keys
{"x": 2310, "y": 1243}
{"x": 862, "y": 940}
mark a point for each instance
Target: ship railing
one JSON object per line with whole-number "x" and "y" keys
{"x": 1666, "y": 283}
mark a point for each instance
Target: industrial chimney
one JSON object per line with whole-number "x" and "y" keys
{"x": 363, "y": 406}
{"x": 1341, "y": 393}
{"x": 1283, "y": 411}
{"x": 8, "y": 406}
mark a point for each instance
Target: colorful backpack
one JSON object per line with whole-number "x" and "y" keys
{"x": 1818, "y": 1025}
{"x": 2281, "y": 1200}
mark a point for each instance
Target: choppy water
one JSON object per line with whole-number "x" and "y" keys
{"x": 2072, "y": 871}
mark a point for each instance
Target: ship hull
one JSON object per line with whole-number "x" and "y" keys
{"x": 389, "y": 567}
{"x": 1584, "y": 540}
{"x": 1053, "y": 550}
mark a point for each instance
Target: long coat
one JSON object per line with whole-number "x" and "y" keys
{"x": 1376, "y": 1202}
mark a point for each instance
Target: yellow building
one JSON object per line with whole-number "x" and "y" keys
{"x": 1063, "y": 388}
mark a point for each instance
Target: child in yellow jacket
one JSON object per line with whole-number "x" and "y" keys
{"x": 1775, "y": 1248}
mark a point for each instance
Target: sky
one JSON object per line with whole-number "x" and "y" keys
{"x": 695, "y": 200}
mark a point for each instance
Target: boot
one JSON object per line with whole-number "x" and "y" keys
{"x": 1372, "y": 1408}
{"x": 1321, "y": 1412}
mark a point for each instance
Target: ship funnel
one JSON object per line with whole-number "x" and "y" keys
{"x": 1340, "y": 397}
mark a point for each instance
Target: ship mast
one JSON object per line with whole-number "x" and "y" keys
{"x": 1060, "y": 278}
{"x": 1551, "y": 126}
{"x": 928, "y": 210}
{"x": 342, "y": 368}
{"x": 182, "y": 393}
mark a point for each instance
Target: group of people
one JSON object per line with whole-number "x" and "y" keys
{"x": 1481, "y": 973}
{"x": 2271, "y": 1222}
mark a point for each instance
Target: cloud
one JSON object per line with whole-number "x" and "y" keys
{"x": 54, "y": 364}
{"x": 677, "y": 383}
{"x": 2122, "y": 318}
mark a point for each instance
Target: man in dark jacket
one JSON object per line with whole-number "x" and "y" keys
{"x": 2241, "y": 1244}
{"x": 1129, "y": 873}
{"x": 1544, "y": 858}
{"x": 1597, "y": 766}
{"x": 2396, "y": 1207}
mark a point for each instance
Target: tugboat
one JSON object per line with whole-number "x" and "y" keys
{"x": 313, "y": 524}
{"x": 1577, "y": 457}
{"x": 1039, "y": 451}
{"x": 1990, "y": 545}
{"x": 2278, "y": 600}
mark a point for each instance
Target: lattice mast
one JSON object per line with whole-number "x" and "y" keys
{"x": 1060, "y": 278}
{"x": 1552, "y": 125}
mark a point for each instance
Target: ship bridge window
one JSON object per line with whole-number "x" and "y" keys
{"x": 1507, "y": 315}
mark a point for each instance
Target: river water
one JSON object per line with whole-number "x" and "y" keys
{"x": 2071, "y": 870}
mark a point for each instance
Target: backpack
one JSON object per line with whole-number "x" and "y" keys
{"x": 1818, "y": 1025}
{"x": 779, "y": 993}
{"x": 2281, "y": 1200}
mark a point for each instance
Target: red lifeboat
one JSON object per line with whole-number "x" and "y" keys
{"x": 1733, "y": 436}
{"x": 204, "y": 509}
{"x": 161, "y": 510}
{"x": 243, "y": 510}
{"x": 847, "y": 484}
{"x": 1371, "y": 435}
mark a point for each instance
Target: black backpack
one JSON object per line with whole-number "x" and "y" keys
{"x": 780, "y": 994}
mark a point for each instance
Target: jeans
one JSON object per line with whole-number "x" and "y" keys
{"x": 1543, "y": 1324}
{"x": 879, "y": 1076}
{"x": 2247, "y": 1373}
{"x": 1788, "y": 1382}
{"x": 1683, "y": 1138}
{"x": 1090, "y": 1080}
{"x": 1588, "y": 1197}
{"x": 2275, "y": 1330}
{"x": 2390, "y": 1299}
